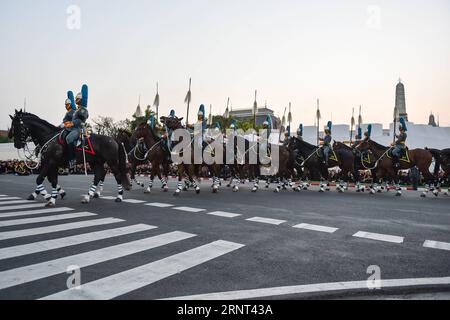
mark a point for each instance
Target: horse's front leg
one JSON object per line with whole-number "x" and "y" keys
{"x": 40, "y": 189}
{"x": 98, "y": 175}
{"x": 53, "y": 178}
{"x": 180, "y": 180}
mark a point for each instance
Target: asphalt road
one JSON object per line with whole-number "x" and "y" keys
{"x": 221, "y": 245}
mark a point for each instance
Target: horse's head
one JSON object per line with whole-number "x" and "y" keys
{"x": 172, "y": 123}
{"x": 364, "y": 145}
{"x": 19, "y": 131}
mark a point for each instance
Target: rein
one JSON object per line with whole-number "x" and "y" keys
{"x": 38, "y": 156}
{"x": 376, "y": 163}
{"x": 147, "y": 153}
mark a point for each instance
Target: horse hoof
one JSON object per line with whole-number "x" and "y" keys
{"x": 236, "y": 189}
{"x": 147, "y": 191}
{"x": 118, "y": 200}
{"x": 372, "y": 191}
{"x": 177, "y": 193}
{"x": 47, "y": 197}
{"x": 254, "y": 190}
{"x": 50, "y": 205}
{"x": 321, "y": 190}
{"x": 228, "y": 185}
{"x": 31, "y": 198}
{"x": 63, "y": 195}
{"x": 96, "y": 196}
{"x": 423, "y": 195}
{"x": 436, "y": 193}
{"x": 166, "y": 189}
{"x": 398, "y": 194}
{"x": 297, "y": 189}
{"x": 197, "y": 191}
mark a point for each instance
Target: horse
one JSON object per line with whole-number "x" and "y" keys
{"x": 191, "y": 170}
{"x": 442, "y": 158}
{"x": 314, "y": 163}
{"x": 50, "y": 143}
{"x": 362, "y": 161}
{"x": 419, "y": 158}
{"x": 133, "y": 151}
{"x": 153, "y": 152}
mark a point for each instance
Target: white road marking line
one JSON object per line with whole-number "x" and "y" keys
{"x": 25, "y": 206}
{"x": 5, "y": 203}
{"x": 437, "y": 245}
{"x": 313, "y": 227}
{"x": 9, "y": 198}
{"x": 133, "y": 201}
{"x": 378, "y": 236}
{"x": 128, "y": 281}
{"x": 224, "y": 214}
{"x": 159, "y": 205}
{"x": 3, "y": 195}
{"x": 22, "y": 250}
{"x": 18, "y": 222}
{"x": 313, "y": 288}
{"x": 267, "y": 220}
{"x": 18, "y": 276}
{"x": 189, "y": 209}
{"x": 57, "y": 228}
{"x": 33, "y": 212}
{"x": 108, "y": 198}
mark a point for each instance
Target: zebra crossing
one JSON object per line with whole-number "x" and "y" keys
{"x": 34, "y": 239}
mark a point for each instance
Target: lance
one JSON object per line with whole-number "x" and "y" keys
{"x": 255, "y": 110}
{"x": 352, "y": 122}
{"x": 318, "y": 116}
{"x": 188, "y": 100}
{"x": 156, "y": 102}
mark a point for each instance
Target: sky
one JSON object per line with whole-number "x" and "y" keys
{"x": 347, "y": 53}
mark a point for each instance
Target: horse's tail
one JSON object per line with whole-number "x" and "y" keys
{"x": 437, "y": 158}
{"x": 123, "y": 167}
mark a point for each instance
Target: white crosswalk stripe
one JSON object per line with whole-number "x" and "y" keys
{"x": 159, "y": 205}
{"x": 41, "y": 246}
{"x": 189, "y": 209}
{"x": 5, "y": 203}
{"x": 267, "y": 220}
{"x": 9, "y": 198}
{"x": 437, "y": 245}
{"x": 131, "y": 280}
{"x": 224, "y": 214}
{"x": 379, "y": 237}
{"x": 108, "y": 198}
{"x": 17, "y": 222}
{"x": 21, "y": 275}
{"x": 133, "y": 201}
{"x": 33, "y": 212}
{"x": 61, "y": 227}
{"x": 24, "y": 206}
{"x": 313, "y": 227}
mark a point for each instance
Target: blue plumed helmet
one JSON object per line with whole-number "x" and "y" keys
{"x": 84, "y": 96}
{"x": 71, "y": 97}
{"x": 234, "y": 124}
{"x": 403, "y": 124}
{"x": 172, "y": 114}
{"x": 300, "y": 130}
{"x": 201, "y": 111}
{"x": 218, "y": 126}
{"x": 329, "y": 126}
{"x": 369, "y": 131}
{"x": 360, "y": 132}
{"x": 268, "y": 122}
{"x": 152, "y": 120}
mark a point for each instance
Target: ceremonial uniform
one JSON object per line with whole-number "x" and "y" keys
{"x": 79, "y": 119}
{"x": 399, "y": 145}
{"x": 326, "y": 143}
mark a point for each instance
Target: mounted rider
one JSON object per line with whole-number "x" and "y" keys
{"x": 300, "y": 132}
{"x": 399, "y": 146}
{"x": 357, "y": 141}
{"x": 166, "y": 135}
{"x": 199, "y": 128}
{"x": 326, "y": 143}
{"x": 70, "y": 108}
{"x": 264, "y": 140}
{"x": 79, "y": 119}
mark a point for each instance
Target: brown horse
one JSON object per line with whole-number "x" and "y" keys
{"x": 419, "y": 158}
{"x": 191, "y": 169}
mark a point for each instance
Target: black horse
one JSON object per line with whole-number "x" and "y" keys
{"x": 52, "y": 150}
{"x": 313, "y": 162}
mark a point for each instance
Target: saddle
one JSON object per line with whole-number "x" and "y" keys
{"x": 87, "y": 145}
{"x": 404, "y": 155}
{"x": 333, "y": 155}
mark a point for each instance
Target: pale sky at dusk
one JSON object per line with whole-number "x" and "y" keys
{"x": 290, "y": 51}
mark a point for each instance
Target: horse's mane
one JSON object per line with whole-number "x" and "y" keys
{"x": 306, "y": 144}
{"x": 343, "y": 145}
{"x": 150, "y": 129}
{"x": 39, "y": 120}
{"x": 380, "y": 146}
{"x": 125, "y": 132}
